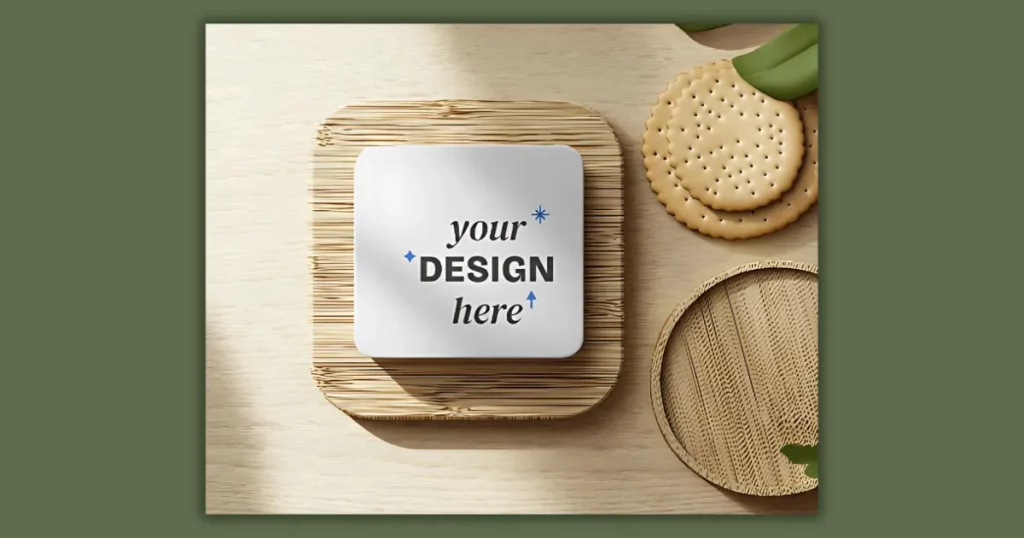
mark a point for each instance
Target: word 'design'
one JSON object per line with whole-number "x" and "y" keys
{"x": 469, "y": 251}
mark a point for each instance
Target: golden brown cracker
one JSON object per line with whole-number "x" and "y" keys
{"x": 726, "y": 224}
{"x": 732, "y": 147}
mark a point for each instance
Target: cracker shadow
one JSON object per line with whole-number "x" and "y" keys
{"x": 736, "y": 37}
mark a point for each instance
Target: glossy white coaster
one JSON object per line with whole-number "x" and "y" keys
{"x": 469, "y": 251}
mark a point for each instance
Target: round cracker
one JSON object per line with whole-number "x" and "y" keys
{"x": 725, "y": 224}
{"x": 733, "y": 148}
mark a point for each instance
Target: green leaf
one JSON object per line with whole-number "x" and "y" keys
{"x": 801, "y": 453}
{"x": 698, "y": 27}
{"x": 812, "y": 470}
{"x": 785, "y": 68}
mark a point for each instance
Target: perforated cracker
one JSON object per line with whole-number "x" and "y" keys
{"x": 726, "y": 224}
{"x": 732, "y": 147}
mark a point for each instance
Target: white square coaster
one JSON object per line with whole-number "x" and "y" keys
{"x": 469, "y": 251}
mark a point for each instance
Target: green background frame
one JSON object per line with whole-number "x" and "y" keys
{"x": 102, "y": 174}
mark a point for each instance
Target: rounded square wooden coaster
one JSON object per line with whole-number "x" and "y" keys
{"x": 472, "y": 388}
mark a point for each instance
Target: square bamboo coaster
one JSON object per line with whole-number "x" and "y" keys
{"x": 417, "y": 389}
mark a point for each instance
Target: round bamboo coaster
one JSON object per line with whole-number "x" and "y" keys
{"x": 735, "y": 377}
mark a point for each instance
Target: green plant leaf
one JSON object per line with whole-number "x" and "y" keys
{"x": 803, "y": 455}
{"x": 797, "y": 453}
{"x": 785, "y": 68}
{"x": 698, "y": 27}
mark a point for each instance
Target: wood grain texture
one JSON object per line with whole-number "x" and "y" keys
{"x": 273, "y": 443}
{"x": 735, "y": 376}
{"x": 465, "y": 389}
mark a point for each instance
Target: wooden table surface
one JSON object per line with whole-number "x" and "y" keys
{"x": 273, "y": 443}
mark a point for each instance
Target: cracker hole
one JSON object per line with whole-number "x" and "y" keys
{"x": 702, "y": 217}
{"x": 788, "y": 204}
{"x": 806, "y": 190}
{"x": 721, "y": 220}
{"x": 773, "y": 185}
{"x": 815, "y": 163}
{"x": 765, "y": 219}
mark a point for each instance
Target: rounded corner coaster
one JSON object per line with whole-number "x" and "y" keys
{"x": 469, "y": 251}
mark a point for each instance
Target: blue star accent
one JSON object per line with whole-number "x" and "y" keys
{"x": 409, "y": 256}
{"x": 540, "y": 214}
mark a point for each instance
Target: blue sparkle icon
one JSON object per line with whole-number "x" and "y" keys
{"x": 540, "y": 214}
{"x": 409, "y": 256}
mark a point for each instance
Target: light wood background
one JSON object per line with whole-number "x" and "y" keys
{"x": 274, "y": 444}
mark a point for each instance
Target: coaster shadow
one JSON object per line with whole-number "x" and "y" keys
{"x": 805, "y": 503}
{"x": 435, "y": 385}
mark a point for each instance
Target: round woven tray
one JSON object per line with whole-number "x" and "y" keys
{"x": 735, "y": 377}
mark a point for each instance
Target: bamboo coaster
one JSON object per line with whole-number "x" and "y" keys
{"x": 735, "y": 377}
{"x": 411, "y": 389}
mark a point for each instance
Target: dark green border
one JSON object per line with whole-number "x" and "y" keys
{"x": 102, "y": 349}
